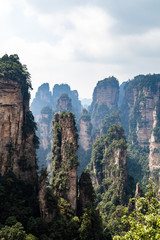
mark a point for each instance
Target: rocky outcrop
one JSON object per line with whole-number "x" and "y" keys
{"x": 64, "y": 104}
{"x": 154, "y": 154}
{"x": 113, "y": 118}
{"x": 141, "y": 119}
{"x": 58, "y": 90}
{"x": 56, "y": 99}
{"x": 85, "y": 128}
{"x": 105, "y": 100}
{"x": 43, "y": 98}
{"x": 17, "y": 132}
{"x": 85, "y": 140}
{"x": 145, "y": 121}
{"x": 141, "y": 96}
{"x": 45, "y": 135}
{"x": 84, "y": 136}
{"x": 47, "y": 212}
{"x": 44, "y": 127}
{"x": 121, "y": 93}
{"x": 65, "y": 162}
{"x": 86, "y": 191}
{"x": 108, "y": 163}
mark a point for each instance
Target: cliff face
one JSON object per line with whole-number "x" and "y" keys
{"x": 17, "y": 149}
{"x": 84, "y": 136}
{"x": 146, "y": 112}
{"x": 108, "y": 168}
{"x": 44, "y": 132}
{"x": 62, "y": 99}
{"x": 141, "y": 96}
{"x": 140, "y": 118}
{"x": 121, "y": 93}
{"x": 86, "y": 191}
{"x": 45, "y": 135}
{"x": 47, "y": 211}
{"x": 108, "y": 163}
{"x": 65, "y": 145}
{"x": 105, "y": 100}
{"x": 85, "y": 128}
{"x": 42, "y": 99}
{"x": 59, "y": 90}
{"x": 44, "y": 127}
{"x": 154, "y": 147}
{"x": 64, "y": 104}
{"x": 45, "y": 98}
{"x": 85, "y": 140}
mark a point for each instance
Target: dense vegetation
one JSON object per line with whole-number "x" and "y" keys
{"x": 144, "y": 221}
{"x": 18, "y": 205}
{"x": 141, "y": 81}
{"x": 11, "y": 68}
{"x": 114, "y": 171}
{"x": 63, "y": 162}
{"x": 113, "y": 118}
{"x": 30, "y": 127}
{"x": 100, "y": 109}
{"x": 108, "y": 81}
{"x": 20, "y": 218}
{"x": 137, "y": 163}
{"x": 110, "y": 177}
{"x": 85, "y": 116}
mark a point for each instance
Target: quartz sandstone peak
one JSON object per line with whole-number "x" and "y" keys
{"x": 64, "y": 104}
{"x": 17, "y": 148}
{"x": 139, "y": 103}
{"x": 105, "y": 100}
{"x": 108, "y": 163}
{"x": 65, "y": 145}
{"x": 42, "y": 99}
{"x": 85, "y": 128}
{"x": 141, "y": 118}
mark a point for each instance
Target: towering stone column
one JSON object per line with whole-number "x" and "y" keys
{"x": 17, "y": 126}
{"x": 65, "y": 162}
{"x": 105, "y": 100}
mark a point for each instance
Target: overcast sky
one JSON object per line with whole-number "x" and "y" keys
{"x": 82, "y": 41}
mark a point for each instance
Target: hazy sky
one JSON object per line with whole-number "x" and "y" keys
{"x": 82, "y": 41}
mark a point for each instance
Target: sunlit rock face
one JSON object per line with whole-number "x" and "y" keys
{"x": 17, "y": 149}
{"x": 140, "y": 98}
{"x": 141, "y": 118}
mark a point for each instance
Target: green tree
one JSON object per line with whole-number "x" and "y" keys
{"x": 11, "y": 68}
{"x": 91, "y": 225}
{"x": 144, "y": 221}
{"x": 11, "y": 233}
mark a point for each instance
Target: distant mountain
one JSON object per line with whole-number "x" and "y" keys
{"x": 45, "y": 98}
{"x": 86, "y": 102}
